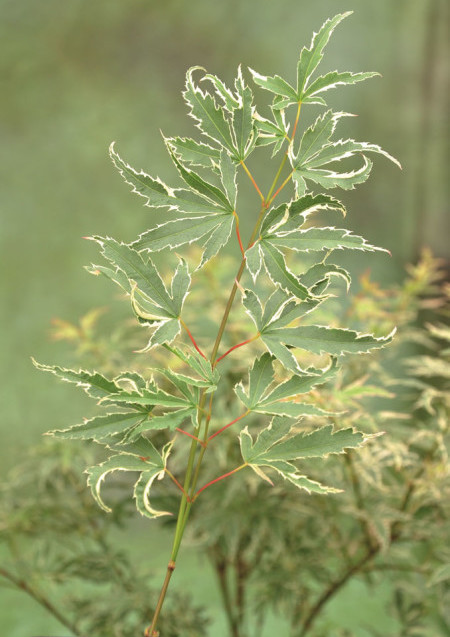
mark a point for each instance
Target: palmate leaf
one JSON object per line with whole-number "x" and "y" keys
{"x": 150, "y": 467}
{"x": 101, "y": 427}
{"x": 143, "y": 273}
{"x": 311, "y": 58}
{"x": 294, "y": 214}
{"x": 275, "y": 447}
{"x": 212, "y": 232}
{"x": 230, "y": 125}
{"x": 200, "y": 365}
{"x": 271, "y": 132}
{"x": 316, "y": 150}
{"x": 280, "y": 309}
{"x": 331, "y": 80}
{"x": 259, "y": 399}
{"x": 242, "y": 117}
{"x": 279, "y": 272}
{"x": 192, "y": 152}
{"x": 330, "y": 178}
{"x": 308, "y": 91}
{"x": 276, "y": 230}
{"x": 150, "y": 299}
{"x": 210, "y": 118}
{"x": 200, "y": 185}
{"x": 323, "y": 339}
{"x": 158, "y": 195}
{"x": 94, "y": 384}
{"x": 316, "y": 239}
{"x": 318, "y": 135}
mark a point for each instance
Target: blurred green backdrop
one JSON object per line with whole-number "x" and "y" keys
{"x": 76, "y": 75}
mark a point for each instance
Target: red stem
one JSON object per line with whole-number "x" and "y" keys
{"x": 229, "y": 425}
{"x": 192, "y": 339}
{"x": 225, "y": 475}
{"x": 190, "y": 436}
{"x": 252, "y": 180}
{"x": 235, "y": 347}
{"x": 239, "y": 234}
{"x": 172, "y": 477}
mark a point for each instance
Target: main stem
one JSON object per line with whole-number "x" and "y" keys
{"x": 190, "y": 486}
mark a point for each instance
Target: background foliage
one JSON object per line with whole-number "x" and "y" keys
{"x": 77, "y": 75}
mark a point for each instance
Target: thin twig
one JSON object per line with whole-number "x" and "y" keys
{"x": 39, "y": 597}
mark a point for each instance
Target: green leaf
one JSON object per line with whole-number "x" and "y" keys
{"x": 297, "y": 212}
{"x": 316, "y": 239}
{"x": 317, "y": 136}
{"x": 141, "y": 447}
{"x": 301, "y": 384}
{"x": 275, "y": 85}
{"x": 274, "y": 218}
{"x": 271, "y": 132}
{"x": 253, "y": 307}
{"x": 193, "y": 152}
{"x": 204, "y": 188}
{"x": 170, "y": 420}
{"x": 331, "y": 179}
{"x": 144, "y": 274}
{"x": 103, "y": 426}
{"x": 209, "y": 117}
{"x": 261, "y": 376}
{"x": 281, "y": 353}
{"x": 199, "y": 364}
{"x": 228, "y": 177}
{"x": 230, "y": 102}
{"x": 242, "y": 117}
{"x": 123, "y": 462}
{"x": 217, "y": 239}
{"x": 335, "y": 341}
{"x": 158, "y": 195}
{"x": 332, "y": 79}
{"x": 93, "y": 383}
{"x": 310, "y": 58}
{"x": 279, "y": 272}
{"x": 180, "y": 285}
{"x": 173, "y": 234}
{"x": 148, "y": 397}
{"x": 142, "y": 490}
{"x": 343, "y": 149}
{"x": 317, "y": 444}
{"x": 253, "y": 260}
{"x": 164, "y": 334}
{"x": 317, "y": 277}
{"x": 263, "y": 452}
{"x": 182, "y": 381}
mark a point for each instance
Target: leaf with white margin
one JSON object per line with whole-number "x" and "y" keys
{"x": 159, "y": 195}
{"x": 101, "y": 427}
{"x": 259, "y": 399}
{"x": 317, "y": 136}
{"x": 331, "y": 340}
{"x": 120, "y": 462}
{"x": 330, "y": 178}
{"x": 255, "y": 454}
{"x": 317, "y": 239}
{"x": 210, "y": 118}
{"x": 311, "y": 57}
{"x": 93, "y": 383}
{"x": 333, "y": 79}
{"x": 193, "y": 152}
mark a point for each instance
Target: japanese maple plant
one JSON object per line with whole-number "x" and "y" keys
{"x": 278, "y": 298}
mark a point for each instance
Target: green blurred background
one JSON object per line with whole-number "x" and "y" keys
{"x": 76, "y": 75}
